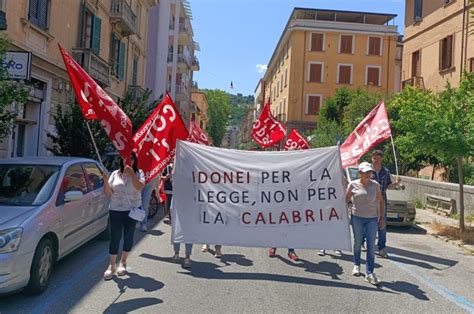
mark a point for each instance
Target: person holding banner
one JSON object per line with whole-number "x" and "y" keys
{"x": 123, "y": 187}
{"x": 367, "y": 212}
{"x": 382, "y": 176}
{"x": 146, "y": 196}
{"x": 166, "y": 177}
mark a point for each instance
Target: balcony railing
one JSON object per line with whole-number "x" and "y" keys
{"x": 416, "y": 81}
{"x": 181, "y": 89}
{"x": 195, "y": 64}
{"x": 97, "y": 68}
{"x": 183, "y": 27}
{"x": 122, "y": 14}
{"x": 136, "y": 92}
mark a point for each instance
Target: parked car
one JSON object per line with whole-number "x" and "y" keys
{"x": 401, "y": 209}
{"x": 49, "y": 206}
{"x": 111, "y": 161}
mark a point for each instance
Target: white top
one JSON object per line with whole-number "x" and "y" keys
{"x": 364, "y": 199}
{"x": 122, "y": 187}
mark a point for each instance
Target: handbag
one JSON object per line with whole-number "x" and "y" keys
{"x": 136, "y": 213}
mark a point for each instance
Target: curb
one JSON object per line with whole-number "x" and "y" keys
{"x": 467, "y": 248}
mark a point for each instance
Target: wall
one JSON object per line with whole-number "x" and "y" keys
{"x": 419, "y": 187}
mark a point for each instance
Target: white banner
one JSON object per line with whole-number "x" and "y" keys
{"x": 288, "y": 199}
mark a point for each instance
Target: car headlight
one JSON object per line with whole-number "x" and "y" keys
{"x": 10, "y": 240}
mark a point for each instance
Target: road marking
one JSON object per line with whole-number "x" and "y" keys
{"x": 442, "y": 290}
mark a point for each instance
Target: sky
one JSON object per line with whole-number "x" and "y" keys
{"x": 237, "y": 37}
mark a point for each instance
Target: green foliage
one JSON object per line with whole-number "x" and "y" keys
{"x": 239, "y": 105}
{"x": 10, "y": 92}
{"x": 73, "y": 138}
{"x": 218, "y": 113}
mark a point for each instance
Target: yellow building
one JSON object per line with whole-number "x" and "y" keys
{"x": 199, "y": 107}
{"x": 437, "y": 47}
{"x": 320, "y": 51}
{"x": 107, "y": 37}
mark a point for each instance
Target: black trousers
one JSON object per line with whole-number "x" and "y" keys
{"x": 120, "y": 224}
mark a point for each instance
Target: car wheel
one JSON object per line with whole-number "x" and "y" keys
{"x": 152, "y": 206}
{"x": 41, "y": 267}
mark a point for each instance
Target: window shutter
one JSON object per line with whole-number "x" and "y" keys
{"x": 346, "y": 44}
{"x": 441, "y": 54}
{"x": 43, "y": 8}
{"x": 135, "y": 71}
{"x": 317, "y": 42}
{"x": 374, "y": 46}
{"x": 33, "y": 11}
{"x": 449, "y": 51}
{"x": 121, "y": 61}
{"x": 313, "y": 105}
{"x": 96, "y": 32}
{"x": 373, "y": 76}
{"x": 315, "y": 73}
{"x": 344, "y": 74}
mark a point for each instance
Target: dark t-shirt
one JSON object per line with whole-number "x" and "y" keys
{"x": 168, "y": 184}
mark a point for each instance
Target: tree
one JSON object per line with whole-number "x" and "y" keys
{"x": 218, "y": 112}
{"x": 72, "y": 137}
{"x": 439, "y": 124}
{"x": 11, "y": 92}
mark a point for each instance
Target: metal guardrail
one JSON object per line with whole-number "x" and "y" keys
{"x": 97, "y": 68}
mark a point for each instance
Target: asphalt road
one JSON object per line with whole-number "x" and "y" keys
{"x": 423, "y": 274}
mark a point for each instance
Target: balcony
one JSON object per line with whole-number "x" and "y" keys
{"x": 122, "y": 15}
{"x": 416, "y": 81}
{"x": 3, "y": 20}
{"x": 97, "y": 67}
{"x": 195, "y": 64}
{"x": 136, "y": 92}
{"x": 181, "y": 92}
{"x": 184, "y": 34}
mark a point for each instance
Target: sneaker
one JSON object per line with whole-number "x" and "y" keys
{"x": 356, "y": 271}
{"x": 322, "y": 252}
{"x": 383, "y": 253}
{"x": 363, "y": 248}
{"x": 122, "y": 270}
{"x": 205, "y": 248}
{"x": 370, "y": 278}
{"x": 218, "y": 253}
{"x": 175, "y": 258}
{"x": 109, "y": 273}
{"x": 187, "y": 262}
{"x": 272, "y": 252}
{"x": 338, "y": 252}
{"x": 293, "y": 256}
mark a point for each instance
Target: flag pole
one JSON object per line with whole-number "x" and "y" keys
{"x": 394, "y": 155}
{"x": 95, "y": 145}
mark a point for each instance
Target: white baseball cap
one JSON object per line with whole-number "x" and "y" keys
{"x": 365, "y": 167}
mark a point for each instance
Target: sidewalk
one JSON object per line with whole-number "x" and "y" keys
{"x": 424, "y": 219}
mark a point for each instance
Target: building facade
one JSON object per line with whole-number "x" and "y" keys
{"x": 437, "y": 45}
{"x": 199, "y": 108}
{"x": 108, "y": 39}
{"x": 320, "y": 51}
{"x": 171, "y": 48}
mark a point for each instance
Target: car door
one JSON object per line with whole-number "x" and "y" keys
{"x": 74, "y": 214}
{"x": 98, "y": 210}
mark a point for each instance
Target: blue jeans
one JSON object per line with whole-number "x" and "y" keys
{"x": 188, "y": 248}
{"x": 146, "y": 196}
{"x": 383, "y": 233}
{"x": 368, "y": 227}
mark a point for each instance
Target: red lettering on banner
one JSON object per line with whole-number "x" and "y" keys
{"x": 333, "y": 214}
{"x": 296, "y": 216}
{"x": 366, "y": 135}
{"x": 260, "y": 218}
{"x": 309, "y": 214}
{"x": 284, "y": 217}
{"x": 243, "y": 218}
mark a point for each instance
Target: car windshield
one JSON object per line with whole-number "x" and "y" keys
{"x": 27, "y": 185}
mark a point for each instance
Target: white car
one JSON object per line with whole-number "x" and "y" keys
{"x": 401, "y": 209}
{"x": 49, "y": 206}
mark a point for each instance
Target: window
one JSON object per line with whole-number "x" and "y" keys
{"x": 313, "y": 102}
{"x": 90, "y": 30}
{"x": 316, "y": 42}
{"x": 416, "y": 64}
{"x": 281, "y": 83}
{"x": 346, "y": 44}
{"x": 94, "y": 176}
{"x": 284, "y": 106}
{"x": 286, "y": 77}
{"x": 315, "y": 73}
{"x": 117, "y": 57}
{"x": 135, "y": 71}
{"x": 446, "y": 53}
{"x": 374, "y": 46}
{"x": 372, "y": 76}
{"x": 418, "y": 11}
{"x": 38, "y": 12}
{"x": 73, "y": 180}
{"x": 344, "y": 73}
{"x": 471, "y": 65}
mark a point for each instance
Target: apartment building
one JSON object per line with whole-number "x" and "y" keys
{"x": 107, "y": 37}
{"x": 437, "y": 46}
{"x": 199, "y": 107}
{"x": 320, "y": 51}
{"x": 171, "y": 47}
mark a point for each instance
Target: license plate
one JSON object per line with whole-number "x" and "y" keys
{"x": 393, "y": 215}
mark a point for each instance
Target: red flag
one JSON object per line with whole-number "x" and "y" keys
{"x": 296, "y": 141}
{"x": 197, "y": 135}
{"x": 374, "y": 129}
{"x": 96, "y": 104}
{"x": 267, "y": 130}
{"x": 155, "y": 141}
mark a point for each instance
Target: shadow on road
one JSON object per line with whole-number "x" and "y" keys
{"x": 405, "y": 287}
{"x": 415, "y": 229}
{"x": 206, "y": 270}
{"x": 419, "y": 259}
{"x": 131, "y": 305}
{"x": 325, "y": 268}
{"x": 136, "y": 281}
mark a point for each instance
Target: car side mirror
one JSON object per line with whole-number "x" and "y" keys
{"x": 72, "y": 196}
